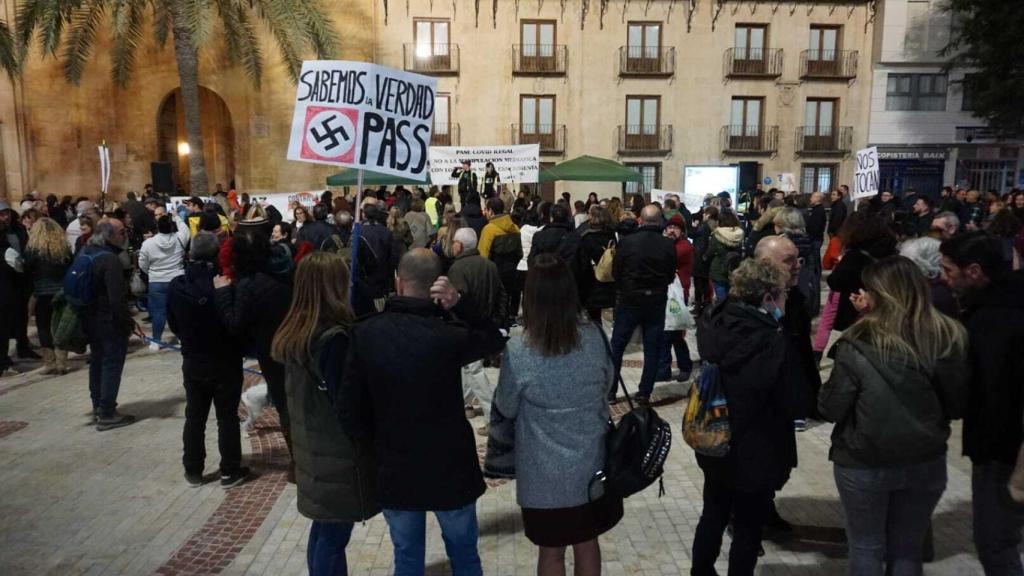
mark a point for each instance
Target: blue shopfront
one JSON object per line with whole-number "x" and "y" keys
{"x": 906, "y": 170}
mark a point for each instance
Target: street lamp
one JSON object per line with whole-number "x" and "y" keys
{"x": 184, "y": 149}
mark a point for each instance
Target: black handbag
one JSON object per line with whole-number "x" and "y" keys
{"x": 635, "y": 450}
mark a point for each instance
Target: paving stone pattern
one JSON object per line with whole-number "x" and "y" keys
{"x": 76, "y": 501}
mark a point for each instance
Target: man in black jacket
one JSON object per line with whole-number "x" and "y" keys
{"x": 468, "y": 185}
{"x": 644, "y": 266}
{"x": 108, "y": 323}
{"x": 13, "y": 301}
{"x": 993, "y": 314}
{"x": 559, "y": 238}
{"x": 403, "y": 393}
{"x": 319, "y": 230}
{"x": 211, "y": 365}
{"x": 378, "y": 252}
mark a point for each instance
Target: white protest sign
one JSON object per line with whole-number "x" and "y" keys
{"x": 865, "y": 174}
{"x": 692, "y": 201}
{"x": 786, "y": 182}
{"x": 175, "y": 201}
{"x": 658, "y": 195}
{"x": 283, "y": 201}
{"x": 518, "y": 164}
{"x": 363, "y": 116}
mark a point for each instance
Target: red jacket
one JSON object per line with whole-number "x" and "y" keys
{"x": 684, "y": 262}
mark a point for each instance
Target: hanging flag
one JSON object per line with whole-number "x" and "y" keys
{"x": 104, "y": 167}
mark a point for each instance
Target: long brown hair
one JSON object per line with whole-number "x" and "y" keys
{"x": 902, "y": 319}
{"x": 319, "y": 299}
{"x": 551, "y": 307}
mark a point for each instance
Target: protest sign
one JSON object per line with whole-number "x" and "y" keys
{"x": 692, "y": 201}
{"x": 362, "y": 115}
{"x": 518, "y": 164}
{"x": 786, "y": 182}
{"x": 865, "y": 174}
{"x": 174, "y": 202}
{"x": 283, "y": 201}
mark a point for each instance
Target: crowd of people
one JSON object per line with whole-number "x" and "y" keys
{"x": 375, "y": 323}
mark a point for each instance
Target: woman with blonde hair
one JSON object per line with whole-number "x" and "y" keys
{"x": 399, "y": 227}
{"x": 47, "y": 257}
{"x": 900, "y": 376}
{"x": 335, "y": 479}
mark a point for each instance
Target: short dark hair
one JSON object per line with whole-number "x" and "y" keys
{"x": 165, "y": 225}
{"x": 979, "y": 248}
{"x": 419, "y": 268}
{"x": 559, "y": 213}
{"x": 286, "y": 229}
{"x": 727, "y": 218}
{"x": 496, "y": 205}
{"x": 925, "y": 199}
{"x": 250, "y": 252}
{"x": 550, "y": 307}
{"x": 209, "y": 221}
{"x": 320, "y": 212}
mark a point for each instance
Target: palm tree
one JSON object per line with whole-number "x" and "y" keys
{"x": 8, "y": 55}
{"x": 297, "y": 26}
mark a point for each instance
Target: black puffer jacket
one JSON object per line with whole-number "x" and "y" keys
{"x": 192, "y": 316}
{"x": 108, "y": 311}
{"x": 701, "y": 243}
{"x": 995, "y": 326}
{"x": 474, "y": 217}
{"x": 403, "y": 393}
{"x": 594, "y": 294}
{"x": 845, "y": 278}
{"x": 755, "y": 364}
{"x": 645, "y": 264}
{"x": 557, "y": 238}
{"x": 836, "y": 217}
{"x": 316, "y": 232}
{"x": 253, "y": 308}
{"x": 889, "y": 412}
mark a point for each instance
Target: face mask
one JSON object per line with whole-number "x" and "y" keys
{"x": 776, "y": 312}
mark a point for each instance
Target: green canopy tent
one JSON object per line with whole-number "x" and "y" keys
{"x": 350, "y": 177}
{"x": 590, "y": 169}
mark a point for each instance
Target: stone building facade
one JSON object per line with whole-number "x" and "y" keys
{"x": 658, "y": 84}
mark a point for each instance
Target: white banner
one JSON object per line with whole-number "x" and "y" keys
{"x": 283, "y": 201}
{"x": 787, "y": 182}
{"x": 865, "y": 174}
{"x": 692, "y": 201}
{"x": 363, "y": 116}
{"x": 514, "y": 164}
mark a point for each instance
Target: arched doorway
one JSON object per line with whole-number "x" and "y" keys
{"x": 218, "y": 138}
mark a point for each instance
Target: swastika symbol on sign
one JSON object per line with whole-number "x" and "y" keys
{"x": 330, "y": 133}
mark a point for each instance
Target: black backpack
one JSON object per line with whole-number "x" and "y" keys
{"x": 635, "y": 450}
{"x": 507, "y": 252}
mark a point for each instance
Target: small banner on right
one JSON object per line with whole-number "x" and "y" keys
{"x": 865, "y": 174}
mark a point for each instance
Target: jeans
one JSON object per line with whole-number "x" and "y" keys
{"x": 158, "y": 307}
{"x": 887, "y": 515}
{"x": 219, "y": 383}
{"x": 675, "y": 340}
{"x": 997, "y": 520}
{"x": 476, "y": 382}
{"x": 325, "y": 552}
{"x": 44, "y": 316}
{"x": 458, "y": 530}
{"x": 748, "y": 512}
{"x": 106, "y": 363}
{"x": 650, "y": 317}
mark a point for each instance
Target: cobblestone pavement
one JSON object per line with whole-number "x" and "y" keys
{"x": 75, "y": 501}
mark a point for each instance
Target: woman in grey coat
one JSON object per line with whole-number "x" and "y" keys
{"x": 554, "y": 380}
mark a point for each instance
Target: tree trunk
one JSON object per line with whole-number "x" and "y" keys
{"x": 188, "y": 76}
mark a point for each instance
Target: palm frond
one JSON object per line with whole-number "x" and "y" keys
{"x": 197, "y": 20}
{"x": 26, "y": 18}
{"x": 281, "y": 20}
{"x": 126, "y": 23}
{"x": 81, "y": 34}
{"x": 318, "y": 28}
{"x": 161, "y": 21}
{"x": 241, "y": 38}
{"x": 56, "y": 14}
{"x": 8, "y": 53}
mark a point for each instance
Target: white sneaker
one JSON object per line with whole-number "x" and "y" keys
{"x": 154, "y": 347}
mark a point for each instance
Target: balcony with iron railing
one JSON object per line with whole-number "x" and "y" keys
{"x": 436, "y": 59}
{"x": 539, "y": 60}
{"x": 753, "y": 63}
{"x": 644, "y": 140}
{"x": 750, "y": 140}
{"x": 824, "y": 140}
{"x": 550, "y": 137}
{"x": 445, "y": 135}
{"x": 828, "y": 64}
{"x": 647, "y": 61}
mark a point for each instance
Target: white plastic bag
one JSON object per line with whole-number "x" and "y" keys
{"x": 677, "y": 315}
